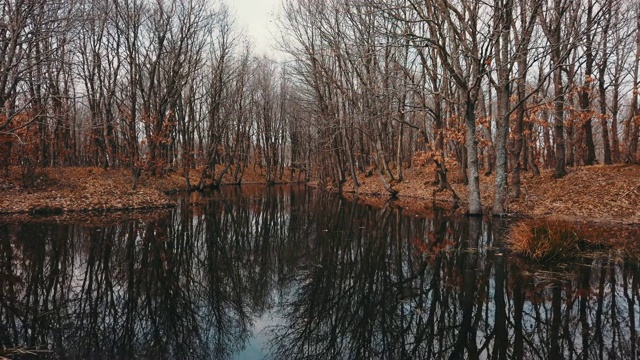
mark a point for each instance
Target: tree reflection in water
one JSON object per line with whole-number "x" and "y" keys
{"x": 344, "y": 281}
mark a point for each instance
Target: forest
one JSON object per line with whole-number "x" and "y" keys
{"x": 501, "y": 87}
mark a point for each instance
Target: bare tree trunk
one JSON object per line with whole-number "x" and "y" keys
{"x": 471, "y": 143}
{"x": 531, "y": 158}
{"x": 518, "y": 143}
{"x": 585, "y": 93}
{"x": 503, "y": 90}
{"x": 399, "y": 152}
{"x": 522, "y": 156}
{"x": 557, "y": 34}
{"x": 383, "y": 165}
{"x": 604, "y": 116}
{"x": 619, "y": 68}
{"x": 573, "y": 134}
{"x": 558, "y": 121}
{"x": 489, "y": 151}
{"x": 615, "y": 108}
{"x": 549, "y": 153}
{"x": 632, "y": 124}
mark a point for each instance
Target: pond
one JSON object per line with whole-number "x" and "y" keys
{"x": 287, "y": 272}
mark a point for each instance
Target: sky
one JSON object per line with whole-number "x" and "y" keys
{"x": 256, "y": 19}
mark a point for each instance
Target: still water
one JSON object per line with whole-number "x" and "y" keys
{"x": 293, "y": 273}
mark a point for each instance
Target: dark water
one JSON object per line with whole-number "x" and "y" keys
{"x": 290, "y": 273}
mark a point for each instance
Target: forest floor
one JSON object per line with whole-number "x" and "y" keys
{"x": 599, "y": 193}
{"x": 53, "y": 191}
{"x": 594, "y": 193}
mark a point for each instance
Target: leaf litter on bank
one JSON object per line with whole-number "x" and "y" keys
{"x": 81, "y": 189}
{"x": 600, "y": 193}
{"x": 91, "y": 189}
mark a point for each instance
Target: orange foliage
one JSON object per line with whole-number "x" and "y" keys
{"x": 19, "y": 141}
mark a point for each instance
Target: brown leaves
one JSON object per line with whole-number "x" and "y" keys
{"x": 593, "y": 192}
{"x": 62, "y": 190}
{"x": 82, "y": 189}
{"x": 599, "y": 193}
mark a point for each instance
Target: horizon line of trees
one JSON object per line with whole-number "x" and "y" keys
{"x": 499, "y": 87}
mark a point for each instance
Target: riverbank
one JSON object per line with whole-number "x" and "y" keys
{"x": 594, "y": 193}
{"x": 62, "y": 190}
{"x": 55, "y": 191}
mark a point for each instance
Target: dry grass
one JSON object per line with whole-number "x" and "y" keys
{"x": 551, "y": 240}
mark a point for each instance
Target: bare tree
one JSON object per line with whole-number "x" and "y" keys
{"x": 528, "y": 13}
{"x": 554, "y": 18}
{"x": 503, "y": 18}
{"x": 634, "y": 116}
{"x": 463, "y": 42}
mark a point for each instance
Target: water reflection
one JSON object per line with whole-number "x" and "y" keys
{"x": 344, "y": 281}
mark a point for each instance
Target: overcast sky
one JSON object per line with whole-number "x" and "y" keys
{"x": 256, "y": 18}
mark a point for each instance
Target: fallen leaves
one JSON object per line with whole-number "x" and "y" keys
{"x": 81, "y": 189}
{"x": 91, "y": 189}
{"x": 595, "y": 193}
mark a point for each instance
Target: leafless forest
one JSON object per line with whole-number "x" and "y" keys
{"x": 502, "y": 87}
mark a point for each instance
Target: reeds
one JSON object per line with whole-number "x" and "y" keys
{"x": 548, "y": 240}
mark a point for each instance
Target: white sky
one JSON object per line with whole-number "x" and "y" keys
{"x": 257, "y": 19}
